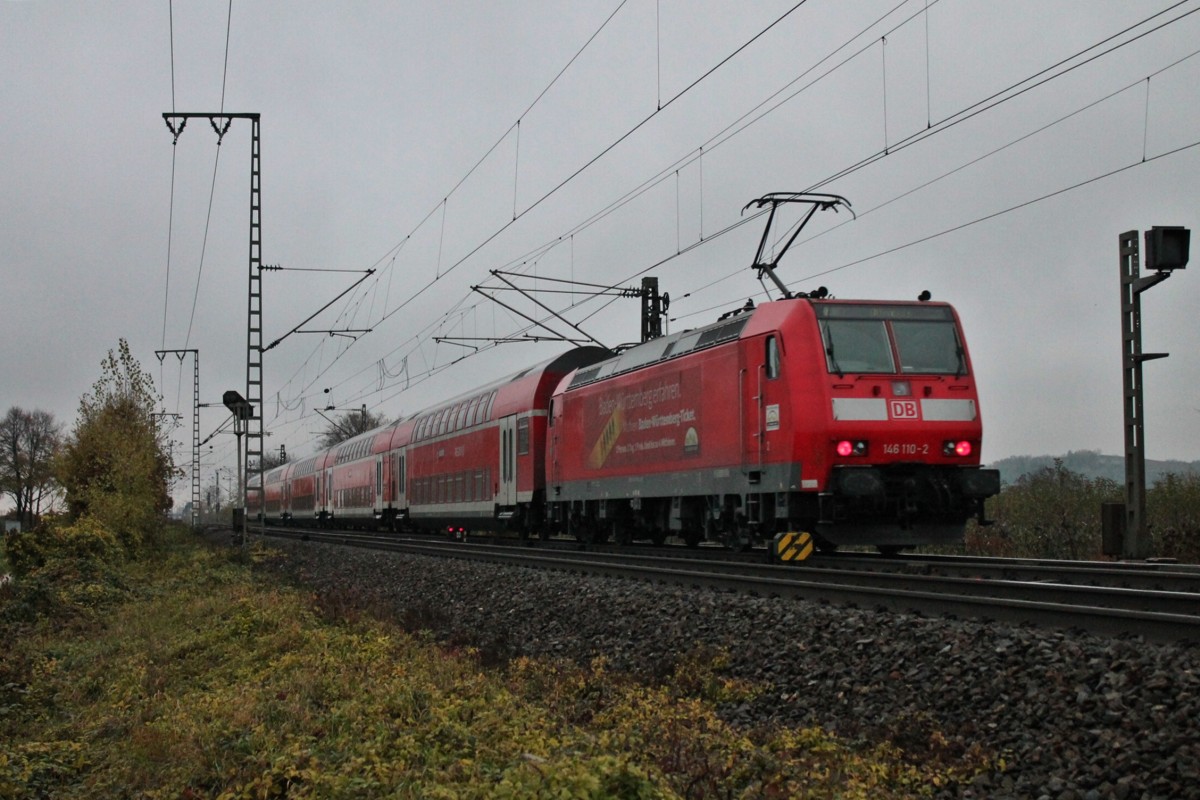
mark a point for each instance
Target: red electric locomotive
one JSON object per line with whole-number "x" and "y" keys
{"x": 857, "y": 421}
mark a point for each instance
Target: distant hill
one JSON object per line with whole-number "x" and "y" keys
{"x": 1090, "y": 463}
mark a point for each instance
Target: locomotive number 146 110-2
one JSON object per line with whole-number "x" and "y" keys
{"x": 907, "y": 449}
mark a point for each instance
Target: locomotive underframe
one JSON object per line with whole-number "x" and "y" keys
{"x": 896, "y": 505}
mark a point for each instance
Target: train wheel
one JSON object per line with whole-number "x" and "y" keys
{"x": 584, "y": 532}
{"x": 890, "y": 550}
{"x": 736, "y": 540}
{"x": 824, "y": 545}
{"x": 692, "y": 538}
{"x": 658, "y": 537}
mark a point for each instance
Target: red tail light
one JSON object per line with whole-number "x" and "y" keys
{"x": 960, "y": 449}
{"x": 846, "y": 448}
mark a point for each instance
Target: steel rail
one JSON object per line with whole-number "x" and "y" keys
{"x": 1154, "y": 615}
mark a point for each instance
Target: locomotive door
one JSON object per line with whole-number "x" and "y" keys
{"x": 761, "y": 398}
{"x": 750, "y": 404}
{"x": 773, "y": 392}
{"x": 507, "y": 484}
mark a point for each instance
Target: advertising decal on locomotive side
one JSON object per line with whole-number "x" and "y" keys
{"x": 655, "y": 418}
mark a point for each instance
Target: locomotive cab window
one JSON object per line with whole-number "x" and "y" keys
{"x": 772, "y": 357}
{"x": 929, "y": 347}
{"x": 890, "y": 339}
{"x": 854, "y": 345}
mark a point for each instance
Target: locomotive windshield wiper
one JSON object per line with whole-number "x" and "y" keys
{"x": 829, "y": 352}
{"x": 962, "y": 362}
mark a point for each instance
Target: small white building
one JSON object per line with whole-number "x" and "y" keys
{"x": 12, "y": 525}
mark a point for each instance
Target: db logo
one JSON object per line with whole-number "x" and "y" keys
{"x": 903, "y": 409}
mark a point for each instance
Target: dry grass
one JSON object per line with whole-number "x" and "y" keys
{"x": 202, "y": 680}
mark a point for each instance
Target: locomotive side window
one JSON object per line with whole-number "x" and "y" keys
{"x": 929, "y": 347}
{"x": 772, "y": 357}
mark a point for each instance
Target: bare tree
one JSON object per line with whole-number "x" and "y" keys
{"x": 350, "y": 424}
{"x": 29, "y": 442}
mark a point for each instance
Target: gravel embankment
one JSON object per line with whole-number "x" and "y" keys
{"x": 1076, "y": 716}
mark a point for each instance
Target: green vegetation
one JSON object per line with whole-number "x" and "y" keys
{"x": 116, "y": 467}
{"x": 1054, "y": 512}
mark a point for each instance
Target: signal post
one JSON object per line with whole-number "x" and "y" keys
{"x": 1166, "y": 251}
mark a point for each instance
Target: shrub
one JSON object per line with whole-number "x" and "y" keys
{"x": 1173, "y": 514}
{"x": 86, "y": 539}
{"x": 63, "y": 570}
{"x": 115, "y": 466}
{"x": 1051, "y": 513}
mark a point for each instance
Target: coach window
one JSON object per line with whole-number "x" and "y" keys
{"x": 772, "y": 357}
{"x": 490, "y": 402}
{"x": 523, "y": 436}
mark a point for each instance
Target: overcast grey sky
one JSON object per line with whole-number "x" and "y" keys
{"x": 374, "y": 113}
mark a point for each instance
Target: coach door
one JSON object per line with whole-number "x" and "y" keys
{"x": 401, "y": 493}
{"x": 507, "y": 484}
{"x": 327, "y": 500}
{"x": 379, "y": 504}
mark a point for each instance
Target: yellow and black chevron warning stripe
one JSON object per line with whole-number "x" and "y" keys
{"x": 793, "y": 546}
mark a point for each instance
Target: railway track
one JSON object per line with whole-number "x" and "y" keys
{"x": 1157, "y": 601}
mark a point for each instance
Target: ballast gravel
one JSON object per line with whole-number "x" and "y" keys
{"x": 1075, "y": 716}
